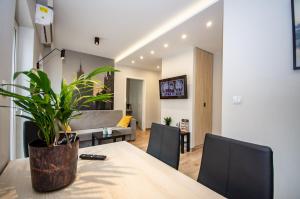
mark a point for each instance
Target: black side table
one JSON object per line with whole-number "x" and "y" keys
{"x": 188, "y": 141}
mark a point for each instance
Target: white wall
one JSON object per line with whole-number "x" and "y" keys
{"x": 152, "y": 102}
{"x": 257, "y": 65}
{"x": 37, "y": 46}
{"x": 179, "y": 64}
{"x": 217, "y": 94}
{"x": 53, "y": 66}
{"x": 28, "y": 53}
{"x": 182, "y": 63}
{"x": 38, "y": 49}
{"x": 7, "y": 16}
{"x": 25, "y": 56}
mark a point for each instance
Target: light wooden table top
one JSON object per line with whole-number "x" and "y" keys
{"x": 128, "y": 172}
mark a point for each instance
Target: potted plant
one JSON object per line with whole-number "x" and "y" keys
{"x": 53, "y": 157}
{"x": 167, "y": 120}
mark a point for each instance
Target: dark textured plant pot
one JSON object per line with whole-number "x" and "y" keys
{"x": 52, "y": 168}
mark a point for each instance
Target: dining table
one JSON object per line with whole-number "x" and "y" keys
{"x": 126, "y": 173}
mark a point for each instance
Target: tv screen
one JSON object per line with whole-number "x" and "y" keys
{"x": 173, "y": 88}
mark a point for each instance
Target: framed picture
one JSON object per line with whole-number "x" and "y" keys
{"x": 296, "y": 33}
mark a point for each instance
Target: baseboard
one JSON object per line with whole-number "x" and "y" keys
{"x": 197, "y": 147}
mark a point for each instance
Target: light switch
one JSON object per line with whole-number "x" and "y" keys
{"x": 236, "y": 100}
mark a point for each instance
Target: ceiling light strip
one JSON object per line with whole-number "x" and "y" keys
{"x": 177, "y": 20}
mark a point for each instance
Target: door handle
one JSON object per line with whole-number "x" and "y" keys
{"x": 204, "y": 104}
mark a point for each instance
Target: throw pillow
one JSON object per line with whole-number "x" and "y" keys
{"x": 124, "y": 122}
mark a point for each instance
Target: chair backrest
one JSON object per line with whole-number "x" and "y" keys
{"x": 30, "y": 133}
{"x": 164, "y": 144}
{"x": 236, "y": 169}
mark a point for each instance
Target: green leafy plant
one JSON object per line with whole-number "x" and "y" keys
{"x": 50, "y": 111}
{"x": 167, "y": 120}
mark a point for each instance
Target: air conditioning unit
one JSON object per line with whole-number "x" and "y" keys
{"x": 44, "y": 23}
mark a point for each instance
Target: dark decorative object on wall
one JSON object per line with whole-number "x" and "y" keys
{"x": 107, "y": 88}
{"x": 80, "y": 71}
{"x": 109, "y": 85}
{"x": 84, "y": 90}
{"x": 173, "y": 88}
{"x": 296, "y": 33}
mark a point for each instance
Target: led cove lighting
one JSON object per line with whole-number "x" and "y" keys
{"x": 166, "y": 45}
{"x": 183, "y": 36}
{"x": 141, "y": 57}
{"x": 208, "y": 24}
{"x": 186, "y": 14}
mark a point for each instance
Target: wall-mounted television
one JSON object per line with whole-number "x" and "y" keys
{"x": 173, "y": 88}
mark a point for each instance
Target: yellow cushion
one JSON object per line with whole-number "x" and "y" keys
{"x": 124, "y": 122}
{"x": 68, "y": 129}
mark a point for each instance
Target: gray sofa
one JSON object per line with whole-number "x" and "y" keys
{"x": 95, "y": 120}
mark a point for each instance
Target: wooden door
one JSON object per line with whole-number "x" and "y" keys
{"x": 203, "y": 95}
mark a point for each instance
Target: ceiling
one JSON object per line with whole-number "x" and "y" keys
{"x": 133, "y": 26}
{"x": 197, "y": 35}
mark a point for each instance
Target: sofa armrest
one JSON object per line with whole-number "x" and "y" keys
{"x": 133, "y": 128}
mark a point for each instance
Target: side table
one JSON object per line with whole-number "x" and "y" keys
{"x": 188, "y": 141}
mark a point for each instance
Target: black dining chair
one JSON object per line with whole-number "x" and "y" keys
{"x": 236, "y": 169}
{"x": 164, "y": 144}
{"x": 30, "y": 133}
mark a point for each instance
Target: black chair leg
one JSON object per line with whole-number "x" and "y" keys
{"x": 93, "y": 140}
{"x": 182, "y": 143}
{"x": 188, "y": 142}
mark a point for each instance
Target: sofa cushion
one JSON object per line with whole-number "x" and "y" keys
{"x": 94, "y": 119}
{"x": 125, "y": 121}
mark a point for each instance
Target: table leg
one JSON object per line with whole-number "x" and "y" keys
{"x": 115, "y": 139}
{"x": 182, "y": 143}
{"x": 188, "y": 142}
{"x": 123, "y": 137}
{"x": 93, "y": 140}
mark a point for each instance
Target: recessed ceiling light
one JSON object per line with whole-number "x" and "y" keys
{"x": 208, "y": 24}
{"x": 132, "y": 61}
{"x": 157, "y": 66}
{"x": 152, "y": 52}
{"x": 178, "y": 19}
{"x": 183, "y": 36}
{"x": 166, "y": 45}
{"x": 141, "y": 57}
{"x": 97, "y": 41}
